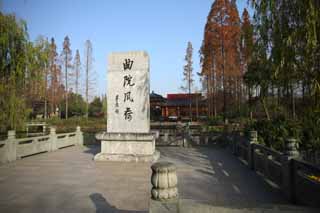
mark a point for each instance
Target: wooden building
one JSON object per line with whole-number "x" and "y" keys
{"x": 177, "y": 106}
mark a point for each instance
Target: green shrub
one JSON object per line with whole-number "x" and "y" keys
{"x": 87, "y": 125}
{"x": 214, "y": 121}
{"x": 311, "y": 131}
{"x": 273, "y": 133}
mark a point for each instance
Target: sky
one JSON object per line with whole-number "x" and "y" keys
{"x": 160, "y": 27}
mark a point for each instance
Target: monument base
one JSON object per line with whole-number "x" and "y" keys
{"x": 127, "y": 147}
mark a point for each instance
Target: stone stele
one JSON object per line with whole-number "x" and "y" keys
{"x": 128, "y": 136}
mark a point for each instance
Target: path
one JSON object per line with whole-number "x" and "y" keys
{"x": 215, "y": 176}
{"x": 69, "y": 180}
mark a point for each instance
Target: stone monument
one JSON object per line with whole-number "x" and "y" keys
{"x": 128, "y": 136}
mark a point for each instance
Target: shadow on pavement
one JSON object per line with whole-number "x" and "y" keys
{"x": 93, "y": 149}
{"x": 215, "y": 176}
{"x": 103, "y": 206}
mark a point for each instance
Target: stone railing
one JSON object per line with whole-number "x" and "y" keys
{"x": 14, "y": 148}
{"x": 312, "y": 156}
{"x": 283, "y": 170}
{"x": 182, "y": 135}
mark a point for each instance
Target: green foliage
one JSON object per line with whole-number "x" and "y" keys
{"x": 104, "y": 106}
{"x": 87, "y": 125}
{"x": 77, "y": 106}
{"x": 13, "y": 69}
{"x": 96, "y": 108}
{"x": 217, "y": 120}
{"x": 311, "y": 131}
{"x": 273, "y": 133}
{"x": 287, "y": 50}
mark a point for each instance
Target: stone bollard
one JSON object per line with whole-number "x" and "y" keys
{"x": 79, "y": 136}
{"x": 253, "y": 138}
{"x": 164, "y": 181}
{"x": 53, "y": 139}
{"x": 290, "y": 153}
{"x": 291, "y": 148}
{"x": 11, "y": 146}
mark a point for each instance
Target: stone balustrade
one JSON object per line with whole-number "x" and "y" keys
{"x": 286, "y": 170}
{"x": 14, "y": 148}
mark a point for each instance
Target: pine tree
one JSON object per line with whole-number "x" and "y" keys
{"x": 89, "y": 81}
{"x": 55, "y": 89}
{"x": 66, "y": 59}
{"x": 188, "y": 75}
{"x": 221, "y": 44}
{"x": 246, "y": 50}
{"x": 77, "y": 71}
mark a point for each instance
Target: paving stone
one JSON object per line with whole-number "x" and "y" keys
{"x": 68, "y": 180}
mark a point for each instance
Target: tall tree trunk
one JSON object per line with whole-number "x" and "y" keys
{"x": 293, "y": 103}
{"x": 208, "y": 97}
{"x": 223, "y": 81}
{"x": 87, "y": 84}
{"x": 264, "y": 104}
{"x": 45, "y": 92}
{"x": 190, "y": 99}
{"x": 250, "y": 100}
{"x": 66, "y": 93}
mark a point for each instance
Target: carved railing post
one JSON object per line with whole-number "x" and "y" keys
{"x": 11, "y": 146}
{"x": 253, "y": 138}
{"x": 164, "y": 181}
{"x": 166, "y": 137}
{"x": 53, "y": 139}
{"x": 79, "y": 137}
{"x": 290, "y": 152}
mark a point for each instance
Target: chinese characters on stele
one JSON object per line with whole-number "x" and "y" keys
{"x": 127, "y": 97}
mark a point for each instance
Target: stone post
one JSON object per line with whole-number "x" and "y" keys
{"x": 53, "y": 139}
{"x": 166, "y": 137}
{"x": 79, "y": 136}
{"x": 207, "y": 139}
{"x": 290, "y": 153}
{"x": 11, "y": 146}
{"x": 253, "y": 138}
{"x": 164, "y": 181}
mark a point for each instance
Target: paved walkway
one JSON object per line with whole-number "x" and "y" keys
{"x": 215, "y": 176}
{"x": 69, "y": 181}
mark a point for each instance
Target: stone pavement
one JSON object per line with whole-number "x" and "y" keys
{"x": 216, "y": 177}
{"x": 68, "y": 180}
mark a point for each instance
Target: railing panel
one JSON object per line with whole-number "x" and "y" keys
{"x": 2, "y": 144}
{"x": 14, "y": 148}
{"x": 3, "y": 151}
{"x": 276, "y": 156}
{"x": 306, "y": 189}
{"x": 274, "y": 171}
{"x": 243, "y": 152}
{"x": 258, "y": 161}
{"x": 65, "y": 140}
{"x": 31, "y": 146}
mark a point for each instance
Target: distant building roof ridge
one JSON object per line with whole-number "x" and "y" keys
{"x": 175, "y": 96}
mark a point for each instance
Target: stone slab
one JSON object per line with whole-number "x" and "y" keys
{"x": 128, "y": 92}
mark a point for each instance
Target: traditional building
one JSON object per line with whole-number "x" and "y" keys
{"x": 177, "y": 106}
{"x": 156, "y": 103}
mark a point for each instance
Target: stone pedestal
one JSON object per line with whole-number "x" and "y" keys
{"x": 127, "y": 147}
